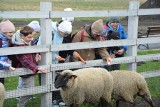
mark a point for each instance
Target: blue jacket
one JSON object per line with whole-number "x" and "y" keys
{"x": 56, "y": 39}
{"x": 5, "y": 63}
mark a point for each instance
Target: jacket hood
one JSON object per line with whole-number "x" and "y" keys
{"x": 16, "y": 39}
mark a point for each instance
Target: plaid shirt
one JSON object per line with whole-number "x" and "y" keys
{"x": 26, "y": 61}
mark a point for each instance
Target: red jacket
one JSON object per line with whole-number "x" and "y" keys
{"x": 26, "y": 61}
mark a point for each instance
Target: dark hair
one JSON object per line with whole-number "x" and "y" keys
{"x": 26, "y": 30}
{"x": 113, "y": 35}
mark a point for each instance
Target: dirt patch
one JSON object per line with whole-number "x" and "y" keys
{"x": 140, "y": 104}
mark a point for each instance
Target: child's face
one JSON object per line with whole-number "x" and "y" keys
{"x": 28, "y": 38}
{"x": 114, "y": 25}
{"x": 9, "y": 34}
{"x": 63, "y": 34}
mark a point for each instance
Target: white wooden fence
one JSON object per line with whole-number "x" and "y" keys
{"x": 45, "y": 14}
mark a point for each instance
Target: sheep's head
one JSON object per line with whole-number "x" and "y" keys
{"x": 63, "y": 78}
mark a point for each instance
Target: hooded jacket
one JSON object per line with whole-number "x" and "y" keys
{"x": 24, "y": 60}
{"x": 5, "y": 63}
{"x": 89, "y": 54}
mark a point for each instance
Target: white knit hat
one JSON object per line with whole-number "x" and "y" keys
{"x": 70, "y": 19}
{"x": 65, "y": 27}
{"x": 35, "y": 25}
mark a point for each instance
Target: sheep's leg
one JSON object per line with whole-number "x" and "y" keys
{"x": 148, "y": 100}
{"x": 103, "y": 103}
{"x": 117, "y": 103}
{"x": 132, "y": 104}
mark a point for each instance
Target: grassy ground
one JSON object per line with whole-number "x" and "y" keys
{"x": 61, "y": 4}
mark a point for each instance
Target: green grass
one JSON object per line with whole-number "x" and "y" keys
{"x": 61, "y": 4}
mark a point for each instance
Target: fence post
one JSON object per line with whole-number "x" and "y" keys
{"x": 133, "y": 31}
{"x": 46, "y": 39}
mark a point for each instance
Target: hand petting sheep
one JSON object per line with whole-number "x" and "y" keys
{"x": 85, "y": 85}
{"x": 127, "y": 85}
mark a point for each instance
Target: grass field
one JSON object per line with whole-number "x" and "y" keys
{"x": 61, "y": 4}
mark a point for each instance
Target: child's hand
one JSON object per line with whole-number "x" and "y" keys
{"x": 42, "y": 70}
{"x": 59, "y": 58}
{"x": 12, "y": 68}
{"x": 109, "y": 61}
{"x": 38, "y": 57}
{"x": 76, "y": 55}
{"x": 120, "y": 52}
{"x": 112, "y": 56}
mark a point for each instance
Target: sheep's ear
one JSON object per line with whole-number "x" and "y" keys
{"x": 72, "y": 76}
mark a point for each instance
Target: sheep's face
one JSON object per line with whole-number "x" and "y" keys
{"x": 62, "y": 80}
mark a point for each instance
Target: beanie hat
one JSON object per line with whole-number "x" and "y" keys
{"x": 70, "y": 19}
{"x": 97, "y": 26}
{"x": 35, "y": 25}
{"x": 65, "y": 27}
{"x": 7, "y": 26}
{"x": 114, "y": 19}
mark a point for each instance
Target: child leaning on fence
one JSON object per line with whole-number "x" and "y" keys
{"x": 6, "y": 32}
{"x": 24, "y": 38}
{"x": 112, "y": 28}
{"x": 92, "y": 33}
{"x": 36, "y": 30}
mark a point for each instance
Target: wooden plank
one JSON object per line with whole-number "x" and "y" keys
{"x": 86, "y": 45}
{"x": 19, "y": 71}
{"x": 87, "y": 13}
{"x": 70, "y": 65}
{"x": 27, "y": 91}
{"x": 150, "y": 74}
{"x": 153, "y": 11}
{"x": 149, "y": 40}
{"x": 147, "y": 57}
{"x": 46, "y": 39}
{"x": 24, "y": 14}
{"x": 24, "y": 49}
{"x": 92, "y": 13}
{"x": 132, "y": 32}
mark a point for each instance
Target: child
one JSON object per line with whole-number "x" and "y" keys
{"x": 113, "y": 51}
{"x": 36, "y": 29}
{"x": 24, "y": 38}
{"x": 6, "y": 32}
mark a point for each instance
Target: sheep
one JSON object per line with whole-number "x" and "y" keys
{"x": 127, "y": 85}
{"x": 87, "y": 85}
{"x": 2, "y": 94}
